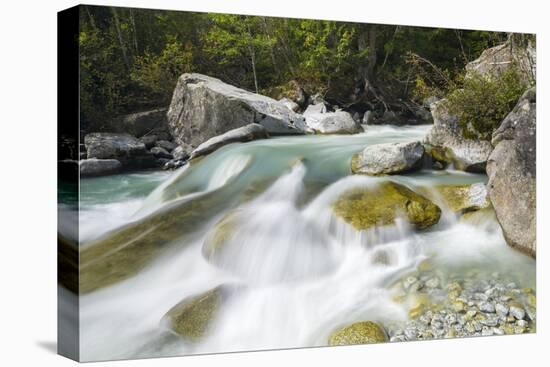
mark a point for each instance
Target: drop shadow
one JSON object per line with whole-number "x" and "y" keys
{"x": 48, "y": 345}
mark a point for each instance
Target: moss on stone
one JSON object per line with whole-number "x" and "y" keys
{"x": 124, "y": 252}
{"x": 355, "y": 167}
{"x": 368, "y": 207}
{"x": 458, "y": 198}
{"x": 365, "y": 332}
{"x": 192, "y": 317}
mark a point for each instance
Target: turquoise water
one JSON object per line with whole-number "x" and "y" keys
{"x": 302, "y": 271}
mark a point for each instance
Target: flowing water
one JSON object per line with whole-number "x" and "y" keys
{"x": 297, "y": 271}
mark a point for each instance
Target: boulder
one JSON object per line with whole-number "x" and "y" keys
{"x": 389, "y": 158}
{"x": 182, "y": 152}
{"x": 445, "y": 138}
{"x": 339, "y": 122}
{"x": 159, "y": 152}
{"x": 191, "y": 317}
{"x": 239, "y": 135}
{"x": 142, "y": 123}
{"x": 127, "y": 250}
{"x": 512, "y": 174}
{"x": 165, "y": 144}
{"x": 293, "y": 106}
{"x": 317, "y": 98}
{"x": 459, "y": 198}
{"x": 98, "y": 167}
{"x": 173, "y": 164}
{"x": 149, "y": 140}
{"x": 123, "y": 147}
{"x": 496, "y": 60}
{"x": 428, "y": 101}
{"x": 365, "y": 332}
{"x": 381, "y": 205}
{"x": 203, "y": 107}
{"x": 315, "y": 109}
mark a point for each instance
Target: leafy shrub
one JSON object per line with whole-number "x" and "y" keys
{"x": 483, "y": 102}
{"x": 158, "y": 74}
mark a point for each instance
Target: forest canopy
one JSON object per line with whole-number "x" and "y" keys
{"x": 130, "y": 59}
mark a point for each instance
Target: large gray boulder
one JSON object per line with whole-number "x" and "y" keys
{"x": 495, "y": 60}
{"x": 339, "y": 122}
{"x": 239, "y": 135}
{"x": 390, "y": 158}
{"x": 450, "y": 144}
{"x": 98, "y": 167}
{"x": 203, "y": 107}
{"x": 512, "y": 174}
{"x": 125, "y": 148}
{"x": 315, "y": 109}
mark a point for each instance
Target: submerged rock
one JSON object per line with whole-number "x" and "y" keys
{"x": 512, "y": 174}
{"x": 203, "y": 107}
{"x": 339, "y": 122}
{"x": 365, "y": 332}
{"x": 447, "y": 144}
{"x": 389, "y": 158}
{"x": 98, "y": 167}
{"x": 222, "y": 233}
{"x": 364, "y": 208}
{"x": 191, "y": 317}
{"x": 241, "y": 134}
{"x": 459, "y": 198}
{"x": 122, "y": 253}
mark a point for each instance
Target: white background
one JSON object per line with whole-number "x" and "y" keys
{"x": 28, "y": 181}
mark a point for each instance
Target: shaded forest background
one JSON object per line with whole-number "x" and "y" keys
{"x": 130, "y": 59}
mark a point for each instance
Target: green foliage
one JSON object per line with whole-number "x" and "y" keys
{"x": 482, "y": 102}
{"x": 130, "y": 58}
{"x": 158, "y": 73}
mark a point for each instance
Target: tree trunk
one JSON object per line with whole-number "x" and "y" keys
{"x": 372, "y": 52}
{"x": 120, "y": 40}
{"x": 252, "y": 58}
{"x": 134, "y": 31}
{"x": 253, "y": 62}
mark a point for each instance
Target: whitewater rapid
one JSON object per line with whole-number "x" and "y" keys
{"x": 299, "y": 271}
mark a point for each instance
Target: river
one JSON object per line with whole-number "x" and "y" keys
{"x": 299, "y": 272}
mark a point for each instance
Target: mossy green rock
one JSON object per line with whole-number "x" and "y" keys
{"x": 364, "y": 208}
{"x": 365, "y": 332}
{"x": 191, "y": 317}
{"x": 459, "y": 198}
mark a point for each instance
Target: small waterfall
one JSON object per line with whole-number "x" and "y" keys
{"x": 228, "y": 169}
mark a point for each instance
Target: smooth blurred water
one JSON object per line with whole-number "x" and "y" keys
{"x": 301, "y": 271}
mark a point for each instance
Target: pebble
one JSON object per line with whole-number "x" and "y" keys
{"x": 517, "y": 312}
{"x": 409, "y": 281}
{"x": 466, "y": 307}
{"x": 432, "y": 283}
{"x": 487, "y": 307}
{"x": 501, "y": 309}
